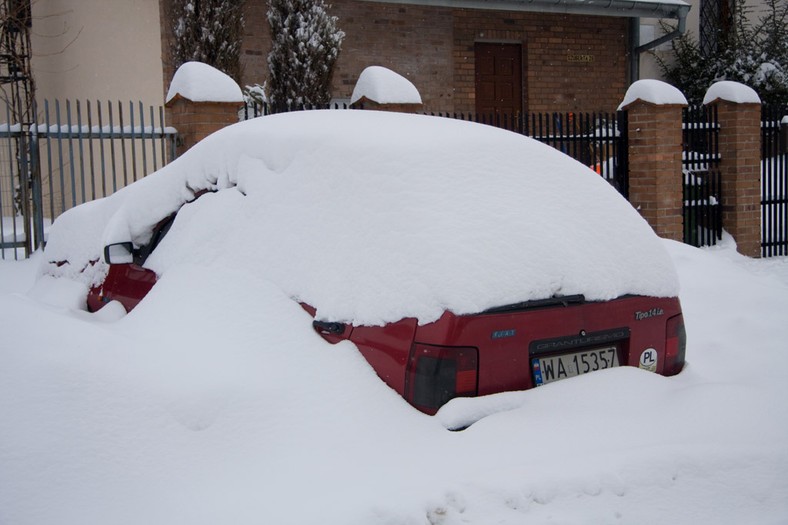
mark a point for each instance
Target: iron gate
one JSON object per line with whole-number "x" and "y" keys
{"x": 701, "y": 176}
{"x": 74, "y": 153}
{"x": 774, "y": 180}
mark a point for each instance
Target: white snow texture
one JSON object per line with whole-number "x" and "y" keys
{"x": 653, "y": 92}
{"x": 731, "y": 92}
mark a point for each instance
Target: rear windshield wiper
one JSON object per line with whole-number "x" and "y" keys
{"x": 561, "y": 300}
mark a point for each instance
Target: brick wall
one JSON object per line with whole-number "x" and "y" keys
{"x": 414, "y": 41}
{"x": 556, "y": 49}
{"x": 570, "y": 62}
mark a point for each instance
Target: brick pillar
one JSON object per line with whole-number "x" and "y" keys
{"x": 396, "y": 107}
{"x": 196, "y": 120}
{"x": 740, "y": 168}
{"x": 655, "y": 179}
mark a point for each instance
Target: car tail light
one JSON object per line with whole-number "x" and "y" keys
{"x": 437, "y": 374}
{"x": 675, "y": 346}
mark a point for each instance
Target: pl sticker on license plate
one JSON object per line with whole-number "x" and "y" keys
{"x": 549, "y": 369}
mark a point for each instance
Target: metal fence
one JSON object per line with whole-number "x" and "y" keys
{"x": 701, "y": 176}
{"x": 774, "y": 181}
{"x": 253, "y": 109}
{"x": 598, "y": 140}
{"x": 73, "y": 153}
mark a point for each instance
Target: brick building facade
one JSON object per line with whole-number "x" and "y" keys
{"x": 565, "y": 62}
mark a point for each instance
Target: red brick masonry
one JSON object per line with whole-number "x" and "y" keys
{"x": 196, "y": 120}
{"x": 740, "y": 166}
{"x": 655, "y": 179}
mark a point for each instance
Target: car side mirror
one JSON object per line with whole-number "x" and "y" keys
{"x": 119, "y": 253}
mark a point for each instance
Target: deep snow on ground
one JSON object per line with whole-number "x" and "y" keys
{"x": 218, "y": 404}
{"x": 214, "y": 401}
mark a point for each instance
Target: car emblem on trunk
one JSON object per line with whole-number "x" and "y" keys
{"x": 654, "y": 312}
{"x": 500, "y": 334}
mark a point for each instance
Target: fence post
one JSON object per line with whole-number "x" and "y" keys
{"x": 740, "y": 156}
{"x": 196, "y": 111}
{"x": 396, "y": 107}
{"x": 196, "y": 120}
{"x": 655, "y": 170}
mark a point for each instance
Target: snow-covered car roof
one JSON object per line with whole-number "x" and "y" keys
{"x": 372, "y": 217}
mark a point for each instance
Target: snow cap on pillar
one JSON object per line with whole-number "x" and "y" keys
{"x": 730, "y": 91}
{"x": 654, "y": 92}
{"x": 200, "y": 82}
{"x": 381, "y": 88}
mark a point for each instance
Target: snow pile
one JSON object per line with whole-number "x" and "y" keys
{"x": 384, "y": 86}
{"x": 654, "y": 92}
{"x": 731, "y": 92}
{"x": 215, "y": 402}
{"x": 395, "y": 216}
{"x": 200, "y": 82}
{"x": 17, "y": 276}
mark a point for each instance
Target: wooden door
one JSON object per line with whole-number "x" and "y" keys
{"x": 499, "y": 74}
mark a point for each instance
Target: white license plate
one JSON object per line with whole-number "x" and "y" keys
{"x": 549, "y": 369}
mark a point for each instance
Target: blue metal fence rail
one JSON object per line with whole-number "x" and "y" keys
{"x": 73, "y": 153}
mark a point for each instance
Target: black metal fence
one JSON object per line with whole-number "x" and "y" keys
{"x": 253, "y": 109}
{"x": 774, "y": 181}
{"x": 701, "y": 176}
{"x": 73, "y": 153}
{"x": 598, "y": 140}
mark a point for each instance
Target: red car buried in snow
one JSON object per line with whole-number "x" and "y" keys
{"x": 460, "y": 259}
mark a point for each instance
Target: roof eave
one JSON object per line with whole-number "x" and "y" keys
{"x": 622, "y": 8}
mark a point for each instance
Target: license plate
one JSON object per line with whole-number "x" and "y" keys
{"x": 549, "y": 369}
